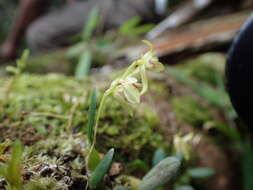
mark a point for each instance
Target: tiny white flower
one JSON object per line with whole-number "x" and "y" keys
{"x": 150, "y": 60}
{"x": 128, "y": 90}
{"x": 154, "y": 65}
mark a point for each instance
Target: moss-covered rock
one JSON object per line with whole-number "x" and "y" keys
{"x": 49, "y": 112}
{"x": 44, "y": 105}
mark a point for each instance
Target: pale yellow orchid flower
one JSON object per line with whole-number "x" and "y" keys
{"x": 182, "y": 144}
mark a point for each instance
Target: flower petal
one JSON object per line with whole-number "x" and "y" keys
{"x": 155, "y": 65}
{"x": 131, "y": 93}
{"x": 144, "y": 79}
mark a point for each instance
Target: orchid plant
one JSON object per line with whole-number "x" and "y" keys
{"x": 129, "y": 87}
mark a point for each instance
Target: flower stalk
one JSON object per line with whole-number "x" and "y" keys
{"x": 127, "y": 88}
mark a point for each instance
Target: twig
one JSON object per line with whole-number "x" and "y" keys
{"x": 46, "y": 114}
{"x": 71, "y": 117}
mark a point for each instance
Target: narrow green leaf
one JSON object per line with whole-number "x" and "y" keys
{"x": 100, "y": 171}
{"x": 141, "y": 30}
{"x": 121, "y": 188}
{"x": 83, "y": 66}
{"x": 93, "y": 160}
{"x": 131, "y": 29}
{"x": 205, "y": 91}
{"x": 159, "y": 155}
{"x": 201, "y": 172}
{"x": 160, "y": 174}
{"x": 11, "y": 171}
{"x": 90, "y": 25}
{"x": 184, "y": 187}
{"x": 92, "y": 115}
{"x": 247, "y": 166}
{"x": 76, "y": 50}
{"x": 14, "y": 165}
{"x": 126, "y": 28}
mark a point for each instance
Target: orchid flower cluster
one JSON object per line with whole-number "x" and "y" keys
{"x": 128, "y": 88}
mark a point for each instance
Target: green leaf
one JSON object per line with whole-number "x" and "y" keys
{"x": 93, "y": 160}
{"x": 92, "y": 115}
{"x": 159, "y": 155}
{"x": 12, "y": 170}
{"x": 160, "y": 174}
{"x": 76, "y": 50}
{"x": 247, "y": 166}
{"x": 101, "y": 169}
{"x": 131, "y": 29}
{"x": 141, "y": 30}
{"x": 129, "y": 25}
{"x": 83, "y": 66}
{"x": 14, "y": 165}
{"x": 90, "y": 25}
{"x": 121, "y": 188}
{"x": 201, "y": 172}
{"x": 184, "y": 187}
{"x": 212, "y": 95}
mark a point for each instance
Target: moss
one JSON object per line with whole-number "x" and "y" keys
{"x": 40, "y": 106}
{"x": 45, "y": 184}
{"x": 38, "y": 110}
{"x": 41, "y": 102}
{"x": 189, "y": 110}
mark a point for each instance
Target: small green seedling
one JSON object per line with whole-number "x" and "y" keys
{"x": 92, "y": 115}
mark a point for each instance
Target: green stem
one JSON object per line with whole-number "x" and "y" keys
{"x": 108, "y": 92}
{"x": 100, "y": 109}
{"x": 130, "y": 69}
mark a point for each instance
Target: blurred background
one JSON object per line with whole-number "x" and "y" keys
{"x": 76, "y": 45}
{"x": 178, "y": 28}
